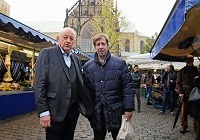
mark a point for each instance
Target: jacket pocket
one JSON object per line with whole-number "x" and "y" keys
{"x": 51, "y": 94}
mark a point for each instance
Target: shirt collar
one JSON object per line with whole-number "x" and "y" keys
{"x": 63, "y": 53}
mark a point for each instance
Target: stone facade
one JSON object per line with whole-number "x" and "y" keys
{"x": 4, "y": 8}
{"x": 79, "y": 17}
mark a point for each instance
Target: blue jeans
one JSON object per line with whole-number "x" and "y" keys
{"x": 168, "y": 95}
{"x": 149, "y": 90}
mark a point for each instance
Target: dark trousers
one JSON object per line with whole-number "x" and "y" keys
{"x": 64, "y": 130}
{"x": 198, "y": 130}
{"x": 100, "y": 134}
{"x": 184, "y": 114}
{"x": 136, "y": 92}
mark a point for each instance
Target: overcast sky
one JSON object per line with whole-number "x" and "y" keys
{"x": 148, "y": 16}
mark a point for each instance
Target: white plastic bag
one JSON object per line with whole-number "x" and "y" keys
{"x": 126, "y": 132}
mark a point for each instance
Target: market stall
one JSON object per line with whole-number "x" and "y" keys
{"x": 19, "y": 48}
{"x": 14, "y": 103}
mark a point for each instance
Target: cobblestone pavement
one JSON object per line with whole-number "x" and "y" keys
{"x": 148, "y": 125}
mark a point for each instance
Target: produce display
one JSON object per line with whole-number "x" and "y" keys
{"x": 4, "y": 86}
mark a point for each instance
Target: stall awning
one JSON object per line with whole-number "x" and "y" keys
{"x": 182, "y": 24}
{"x": 16, "y": 33}
{"x": 144, "y": 61}
{"x": 82, "y": 55}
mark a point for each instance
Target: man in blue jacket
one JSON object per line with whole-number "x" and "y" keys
{"x": 136, "y": 76}
{"x": 111, "y": 86}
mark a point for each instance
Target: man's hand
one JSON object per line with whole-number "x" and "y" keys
{"x": 196, "y": 77}
{"x": 181, "y": 96}
{"x": 45, "y": 121}
{"x": 128, "y": 115}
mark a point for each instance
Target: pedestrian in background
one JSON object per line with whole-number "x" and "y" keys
{"x": 195, "y": 108}
{"x": 143, "y": 85}
{"x": 169, "y": 82}
{"x": 110, "y": 83}
{"x": 149, "y": 85}
{"x": 58, "y": 86}
{"x": 136, "y": 76}
{"x": 184, "y": 84}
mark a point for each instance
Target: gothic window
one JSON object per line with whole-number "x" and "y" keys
{"x": 127, "y": 42}
{"x": 141, "y": 45}
{"x": 127, "y": 49}
{"x": 75, "y": 13}
{"x": 86, "y": 34}
{"x": 86, "y": 42}
{"x": 85, "y": 12}
{"x": 127, "y": 45}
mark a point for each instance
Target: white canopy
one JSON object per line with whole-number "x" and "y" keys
{"x": 144, "y": 61}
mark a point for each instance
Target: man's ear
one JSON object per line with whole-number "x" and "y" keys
{"x": 57, "y": 37}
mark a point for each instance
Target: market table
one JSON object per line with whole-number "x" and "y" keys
{"x": 14, "y": 103}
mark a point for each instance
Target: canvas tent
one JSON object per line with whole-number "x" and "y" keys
{"x": 145, "y": 61}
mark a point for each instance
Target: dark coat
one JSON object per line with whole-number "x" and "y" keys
{"x": 52, "y": 84}
{"x": 136, "y": 76}
{"x": 184, "y": 81}
{"x": 169, "y": 80}
{"x": 112, "y": 89}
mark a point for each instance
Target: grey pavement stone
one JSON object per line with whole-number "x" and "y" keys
{"x": 148, "y": 125}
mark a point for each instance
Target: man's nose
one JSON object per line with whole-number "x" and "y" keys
{"x": 101, "y": 46}
{"x": 68, "y": 39}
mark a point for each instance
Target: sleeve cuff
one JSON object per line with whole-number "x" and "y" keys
{"x": 44, "y": 113}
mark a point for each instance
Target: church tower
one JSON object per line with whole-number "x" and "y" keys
{"x": 79, "y": 17}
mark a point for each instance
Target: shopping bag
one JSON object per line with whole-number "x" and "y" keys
{"x": 126, "y": 131}
{"x": 194, "y": 94}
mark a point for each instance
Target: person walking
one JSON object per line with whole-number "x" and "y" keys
{"x": 184, "y": 84}
{"x": 111, "y": 86}
{"x": 59, "y": 87}
{"x": 169, "y": 82}
{"x": 136, "y": 76}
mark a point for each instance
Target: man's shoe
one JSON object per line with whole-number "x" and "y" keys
{"x": 172, "y": 113}
{"x": 148, "y": 103}
{"x": 182, "y": 130}
{"x": 161, "y": 112}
